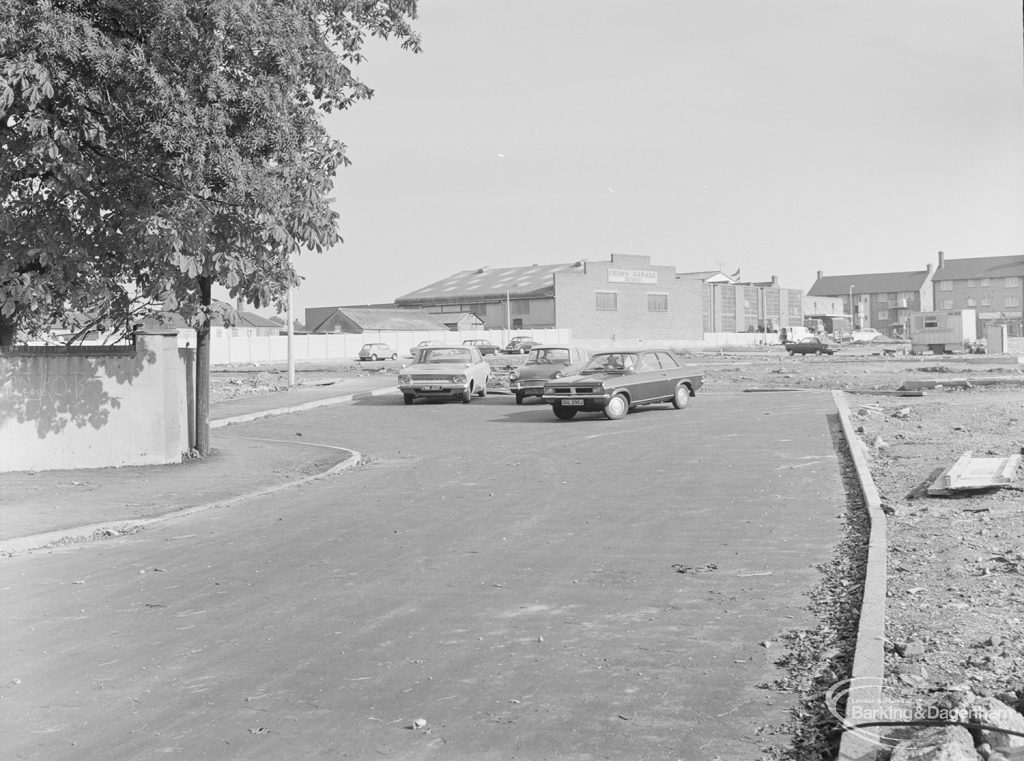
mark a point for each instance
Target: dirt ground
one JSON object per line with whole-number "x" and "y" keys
{"x": 956, "y": 563}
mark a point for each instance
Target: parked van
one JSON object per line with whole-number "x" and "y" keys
{"x": 794, "y": 333}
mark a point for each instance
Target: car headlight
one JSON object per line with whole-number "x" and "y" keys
{"x": 514, "y": 375}
{"x": 459, "y": 379}
{"x": 558, "y": 374}
{"x": 404, "y": 379}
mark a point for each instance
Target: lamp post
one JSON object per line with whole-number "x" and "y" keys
{"x": 853, "y": 311}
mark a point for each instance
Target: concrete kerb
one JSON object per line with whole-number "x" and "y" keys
{"x": 221, "y": 422}
{"x": 869, "y": 654}
{"x": 119, "y": 527}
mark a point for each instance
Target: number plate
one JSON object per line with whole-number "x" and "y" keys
{"x": 572, "y": 402}
{"x": 431, "y": 388}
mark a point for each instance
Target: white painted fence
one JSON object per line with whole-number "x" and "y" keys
{"x": 322, "y": 346}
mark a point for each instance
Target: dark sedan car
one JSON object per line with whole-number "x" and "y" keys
{"x": 485, "y": 347}
{"x": 544, "y": 363}
{"x": 615, "y": 382}
{"x": 520, "y": 345}
{"x": 812, "y": 345}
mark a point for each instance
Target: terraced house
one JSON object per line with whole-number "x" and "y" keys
{"x": 879, "y": 300}
{"x": 991, "y": 285}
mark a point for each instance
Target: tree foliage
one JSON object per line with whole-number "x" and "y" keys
{"x": 149, "y": 145}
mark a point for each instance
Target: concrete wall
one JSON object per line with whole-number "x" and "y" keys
{"x": 93, "y": 407}
{"x": 324, "y": 346}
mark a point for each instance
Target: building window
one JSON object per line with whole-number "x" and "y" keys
{"x": 971, "y": 302}
{"x": 882, "y": 298}
{"x": 520, "y": 307}
{"x": 945, "y": 285}
{"x": 607, "y": 301}
{"x": 1013, "y": 282}
{"x": 657, "y": 302}
{"x": 986, "y": 301}
{"x": 883, "y": 314}
{"x": 985, "y": 282}
{"x": 947, "y": 304}
{"x": 1012, "y": 301}
{"x": 970, "y": 283}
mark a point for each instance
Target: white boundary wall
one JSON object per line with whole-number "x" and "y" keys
{"x": 321, "y": 346}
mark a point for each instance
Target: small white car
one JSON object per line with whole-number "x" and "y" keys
{"x": 373, "y": 352}
{"x": 440, "y": 372}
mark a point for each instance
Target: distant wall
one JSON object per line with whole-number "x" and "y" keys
{"x": 315, "y": 346}
{"x": 93, "y": 407}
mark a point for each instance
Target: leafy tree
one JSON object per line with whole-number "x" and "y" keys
{"x": 152, "y": 148}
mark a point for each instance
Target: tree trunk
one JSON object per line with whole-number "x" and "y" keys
{"x": 203, "y": 372}
{"x": 8, "y": 333}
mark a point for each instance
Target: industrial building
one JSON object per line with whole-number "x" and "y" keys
{"x": 626, "y": 297}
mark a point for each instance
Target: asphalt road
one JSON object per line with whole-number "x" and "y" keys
{"x": 500, "y": 576}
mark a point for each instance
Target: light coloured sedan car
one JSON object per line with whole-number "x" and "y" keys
{"x": 445, "y": 372}
{"x": 544, "y": 363}
{"x": 423, "y": 345}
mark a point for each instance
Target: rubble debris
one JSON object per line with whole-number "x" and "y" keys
{"x": 973, "y": 473}
{"x": 707, "y": 567}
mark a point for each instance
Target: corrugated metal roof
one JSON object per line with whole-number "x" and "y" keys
{"x": 532, "y": 280}
{"x": 253, "y": 320}
{"x": 877, "y": 282}
{"x": 981, "y": 267}
{"x": 379, "y": 319}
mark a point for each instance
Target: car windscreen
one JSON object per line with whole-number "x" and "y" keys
{"x": 439, "y": 356}
{"x": 613, "y": 362}
{"x": 548, "y": 356}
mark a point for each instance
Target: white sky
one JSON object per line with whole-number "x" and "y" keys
{"x": 780, "y": 137}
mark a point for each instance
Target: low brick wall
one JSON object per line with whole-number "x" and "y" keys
{"x": 92, "y": 407}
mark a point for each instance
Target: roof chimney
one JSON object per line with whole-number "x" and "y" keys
{"x": 820, "y": 274}
{"x": 775, "y": 281}
{"x": 942, "y": 259}
{"x": 928, "y": 268}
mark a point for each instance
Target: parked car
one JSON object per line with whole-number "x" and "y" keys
{"x": 520, "y": 345}
{"x": 865, "y": 334}
{"x": 544, "y": 363}
{"x": 485, "y": 346}
{"x": 445, "y": 372}
{"x": 615, "y": 382}
{"x": 812, "y": 345}
{"x": 373, "y": 352}
{"x": 423, "y": 345}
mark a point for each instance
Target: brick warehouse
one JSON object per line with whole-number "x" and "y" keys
{"x": 624, "y": 298}
{"x": 628, "y": 298}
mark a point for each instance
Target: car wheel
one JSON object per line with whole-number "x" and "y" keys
{"x": 483, "y": 390}
{"x": 564, "y": 413}
{"x": 522, "y": 350}
{"x": 394, "y": 357}
{"x": 617, "y": 407}
{"x": 520, "y": 398}
{"x": 408, "y": 398}
{"x": 467, "y": 395}
{"x": 817, "y": 352}
{"x": 373, "y": 357}
{"x": 681, "y": 397}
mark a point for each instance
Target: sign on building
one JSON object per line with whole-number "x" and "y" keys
{"x": 646, "y": 277}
